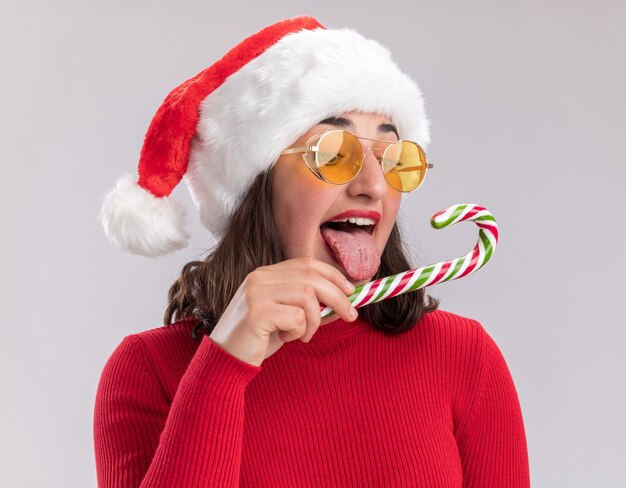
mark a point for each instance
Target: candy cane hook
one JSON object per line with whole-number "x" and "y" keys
{"x": 391, "y": 286}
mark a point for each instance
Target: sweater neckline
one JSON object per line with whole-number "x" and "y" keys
{"x": 338, "y": 328}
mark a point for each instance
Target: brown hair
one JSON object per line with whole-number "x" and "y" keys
{"x": 205, "y": 288}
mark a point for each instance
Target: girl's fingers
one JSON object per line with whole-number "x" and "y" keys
{"x": 307, "y": 287}
{"x": 308, "y": 265}
{"x": 304, "y": 283}
{"x": 289, "y": 321}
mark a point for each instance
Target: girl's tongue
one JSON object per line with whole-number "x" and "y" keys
{"x": 354, "y": 250}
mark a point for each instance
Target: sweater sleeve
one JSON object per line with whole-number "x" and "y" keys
{"x": 142, "y": 441}
{"x": 492, "y": 443}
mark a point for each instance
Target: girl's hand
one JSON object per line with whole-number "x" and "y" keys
{"x": 281, "y": 303}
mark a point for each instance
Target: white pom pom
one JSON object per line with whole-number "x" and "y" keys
{"x": 140, "y": 223}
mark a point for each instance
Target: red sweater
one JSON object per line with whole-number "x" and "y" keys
{"x": 432, "y": 407}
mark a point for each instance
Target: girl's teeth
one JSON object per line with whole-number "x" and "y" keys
{"x": 357, "y": 221}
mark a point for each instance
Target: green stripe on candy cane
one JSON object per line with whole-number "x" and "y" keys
{"x": 411, "y": 280}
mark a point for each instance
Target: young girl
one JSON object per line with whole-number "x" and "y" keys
{"x": 297, "y": 147}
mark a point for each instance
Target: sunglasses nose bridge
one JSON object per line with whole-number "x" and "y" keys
{"x": 376, "y": 152}
{"x": 360, "y": 162}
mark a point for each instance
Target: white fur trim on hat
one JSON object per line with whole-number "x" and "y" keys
{"x": 272, "y": 100}
{"x": 140, "y": 223}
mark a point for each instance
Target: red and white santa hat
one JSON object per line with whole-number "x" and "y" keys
{"x": 221, "y": 128}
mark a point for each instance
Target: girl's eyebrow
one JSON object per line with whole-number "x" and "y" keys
{"x": 345, "y": 123}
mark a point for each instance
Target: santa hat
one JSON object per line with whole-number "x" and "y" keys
{"x": 224, "y": 126}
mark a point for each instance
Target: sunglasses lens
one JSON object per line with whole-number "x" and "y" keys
{"x": 339, "y": 156}
{"x": 404, "y": 165}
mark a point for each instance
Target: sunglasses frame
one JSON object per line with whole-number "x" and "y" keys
{"x": 308, "y": 148}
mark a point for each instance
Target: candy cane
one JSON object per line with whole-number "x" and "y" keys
{"x": 414, "y": 279}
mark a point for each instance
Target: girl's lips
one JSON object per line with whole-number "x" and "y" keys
{"x": 357, "y": 213}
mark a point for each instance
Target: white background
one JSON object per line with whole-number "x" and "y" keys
{"x": 528, "y": 118}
